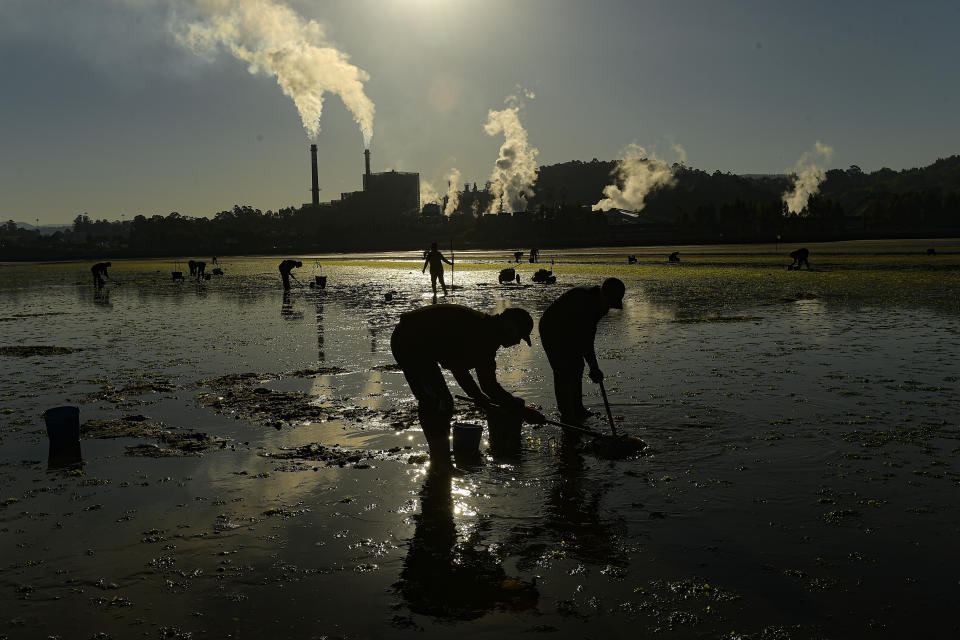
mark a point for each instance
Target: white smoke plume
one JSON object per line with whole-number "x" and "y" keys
{"x": 515, "y": 171}
{"x": 271, "y": 38}
{"x": 428, "y": 193}
{"x": 637, "y": 174}
{"x": 453, "y": 195}
{"x": 808, "y": 174}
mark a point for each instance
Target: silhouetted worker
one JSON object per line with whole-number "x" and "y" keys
{"x": 517, "y": 255}
{"x": 459, "y": 339}
{"x": 567, "y": 330}
{"x": 435, "y": 259}
{"x": 800, "y": 258}
{"x": 214, "y": 261}
{"x": 674, "y": 257}
{"x": 201, "y": 268}
{"x": 99, "y": 270}
{"x": 192, "y": 264}
{"x": 285, "y": 267}
{"x": 931, "y": 251}
{"x": 631, "y": 259}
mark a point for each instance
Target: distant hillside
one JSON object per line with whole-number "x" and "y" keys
{"x": 45, "y": 229}
{"x": 928, "y": 194}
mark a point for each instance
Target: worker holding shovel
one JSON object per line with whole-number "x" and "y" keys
{"x": 285, "y": 267}
{"x": 459, "y": 339}
{"x": 567, "y": 329}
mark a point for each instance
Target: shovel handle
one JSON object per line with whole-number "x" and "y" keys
{"x": 606, "y": 403}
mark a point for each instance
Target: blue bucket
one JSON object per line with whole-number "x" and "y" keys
{"x": 63, "y": 425}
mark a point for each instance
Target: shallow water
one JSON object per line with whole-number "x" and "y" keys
{"x": 798, "y": 483}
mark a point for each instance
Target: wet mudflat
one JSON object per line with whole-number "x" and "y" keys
{"x": 251, "y": 462}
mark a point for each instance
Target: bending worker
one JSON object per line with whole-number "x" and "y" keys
{"x": 567, "y": 329}
{"x": 99, "y": 270}
{"x": 285, "y": 267}
{"x": 435, "y": 259}
{"x": 800, "y": 257}
{"x": 459, "y": 339}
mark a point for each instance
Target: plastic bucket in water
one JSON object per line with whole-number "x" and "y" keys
{"x": 321, "y": 281}
{"x": 466, "y": 439}
{"x": 63, "y": 425}
{"x": 503, "y": 422}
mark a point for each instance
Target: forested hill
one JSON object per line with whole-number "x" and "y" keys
{"x": 934, "y": 188}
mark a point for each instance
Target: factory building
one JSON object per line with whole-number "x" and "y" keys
{"x": 385, "y": 196}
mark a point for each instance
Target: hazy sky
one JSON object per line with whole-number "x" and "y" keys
{"x": 104, "y": 110}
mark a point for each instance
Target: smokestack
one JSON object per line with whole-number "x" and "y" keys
{"x": 313, "y": 171}
{"x": 366, "y": 155}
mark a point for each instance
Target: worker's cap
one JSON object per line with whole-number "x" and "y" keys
{"x": 613, "y": 290}
{"x": 521, "y": 321}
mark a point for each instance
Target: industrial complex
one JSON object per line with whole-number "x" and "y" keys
{"x": 384, "y": 195}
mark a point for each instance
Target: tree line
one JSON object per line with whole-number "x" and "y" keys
{"x": 701, "y": 207}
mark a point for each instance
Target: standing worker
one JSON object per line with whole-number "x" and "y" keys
{"x": 99, "y": 270}
{"x": 459, "y": 339}
{"x": 201, "y": 268}
{"x": 285, "y": 267}
{"x": 435, "y": 259}
{"x": 567, "y": 329}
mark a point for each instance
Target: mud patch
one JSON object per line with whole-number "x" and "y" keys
{"x": 22, "y": 316}
{"x": 110, "y": 393}
{"x": 392, "y": 366}
{"x": 179, "y": 443}
{"x": 239, "y": 395}
{"x": 717, "y": 319}
{"x": 313, "y": 373}
{"x": 35, "y": 350}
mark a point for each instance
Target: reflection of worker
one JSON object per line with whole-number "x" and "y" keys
{"x": 285, "y": 267}
{"x": 99, "y": 271}
{"x": 800, "y": 257}
{"x": 448, "y": 578}
{"x": 459, "y": 339}
{"x": 435, "y": 259}
{"x": 568, "y": 328}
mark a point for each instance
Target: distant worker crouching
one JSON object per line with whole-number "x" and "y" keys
{"x": 800, "y": 258}
{"x": 285, "y": 267}
{"x": 459, "y": 339}
{"x": 99, "y": 270}
{"x": 567, "y": 329}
